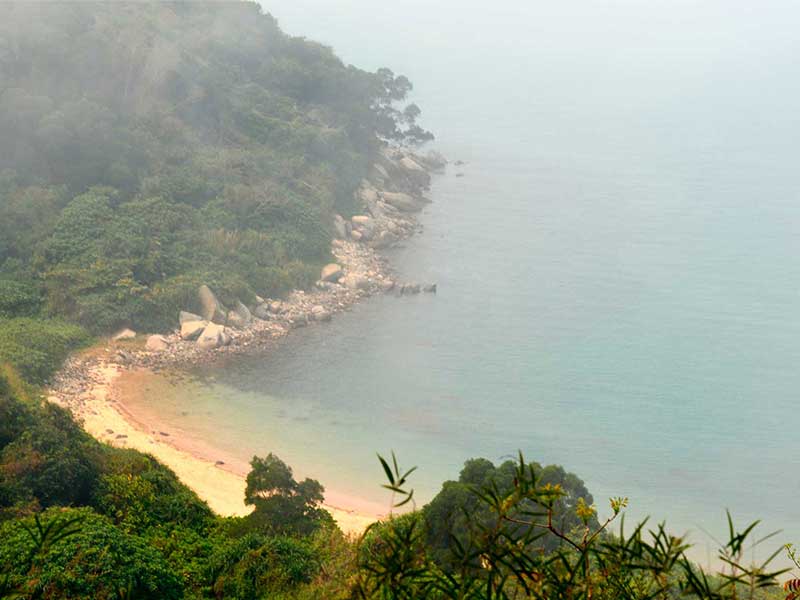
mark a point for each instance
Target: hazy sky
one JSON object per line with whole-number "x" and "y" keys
{"x": 508, "y": 61}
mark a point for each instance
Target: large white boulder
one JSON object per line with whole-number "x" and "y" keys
{"x": 211, "y": 337}
{"x": 191, "y": 330}
{"x": 213, "y": 310}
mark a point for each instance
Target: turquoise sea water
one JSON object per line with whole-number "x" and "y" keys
{"x": 619, "y": 288}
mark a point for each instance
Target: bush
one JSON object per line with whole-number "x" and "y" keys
{"x": 37, "y": 348}
{"x": 46, "y": 459}
{"x": 18, "y": 299}
{"x": 256, "y": 566}
{"x": 96, "y": 562}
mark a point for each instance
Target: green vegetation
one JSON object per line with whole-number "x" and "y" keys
{"x": 79, "y": 519}
{"x": 37, "y": 347}
{"x": 148, "y": 148}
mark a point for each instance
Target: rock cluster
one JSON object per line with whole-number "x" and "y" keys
{"x": 390, "y": 197}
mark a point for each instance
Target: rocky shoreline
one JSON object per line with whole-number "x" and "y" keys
{"x": 391, "y": 197}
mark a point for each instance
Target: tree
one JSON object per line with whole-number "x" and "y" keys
{"x": 456, "y": 508}
{"x": 282, "y": 504}
{"x": 394, "y": 124}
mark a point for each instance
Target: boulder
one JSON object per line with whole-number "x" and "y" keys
{"x": 276, "y": 306}
{"x": 156, "y": 343}
{"x": 240, "y": 316}
{"x": 262, "y": 311}
{"x": 402, "y": 202}
{"x": 331, "y": 272}
{"x": 298, "y": 321}
{"x": 339, "y": 227}
{"x": 387, "y": 286}
{"x": 259, "y": 300}
{"x": 356, "y": 235}
{"x": 385, "y": 239}
{"x": 355, "y": 282}
{"x": 430, "y": 288}
{"x": 410, "y": 288}
{"x": 225, "y": 339}
{"x": 415, "y": 172}
{"x": 362, "y": 220}
{"x": 367, "y": 232}
{"x": 211, "y": 337}
{"x": 235, "y": 320}
{"x": 191, "y": 330}
{"x": 379, "y": 174}
{"x": 320, "y": 313}
{"x": 367, "y": 193}
{"x": 185, "y": 317}
{"x": 213, "y": 310}
{"x": 125, "y": 334}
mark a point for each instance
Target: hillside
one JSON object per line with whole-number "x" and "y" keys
{"x": 151, "y": 147}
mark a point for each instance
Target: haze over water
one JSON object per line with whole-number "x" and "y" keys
{"x": 617, "y": 269}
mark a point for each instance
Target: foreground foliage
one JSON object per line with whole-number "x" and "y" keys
{"x": 79, "y": 519}
{"x": 517, "y": 539}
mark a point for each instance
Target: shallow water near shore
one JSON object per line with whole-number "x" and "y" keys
{"x": 618, "y": 291}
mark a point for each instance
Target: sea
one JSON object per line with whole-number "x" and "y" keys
{"x": 616, "y": 260}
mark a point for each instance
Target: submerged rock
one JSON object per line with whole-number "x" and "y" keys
{"x": 430, "y": 288}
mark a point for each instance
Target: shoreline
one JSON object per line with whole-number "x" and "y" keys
{"x": 103, "y": 415}
{"x": 88, "y": 385}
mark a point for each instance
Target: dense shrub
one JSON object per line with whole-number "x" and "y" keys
{"x": 36, "y": 348}
{"x": 97, "y": 562}
{"x": 18, "y": 299}
{"x": 256, "y": 566}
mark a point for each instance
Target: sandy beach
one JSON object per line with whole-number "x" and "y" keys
{"x": 103, "y": 415}
{"x": 88, "y": 383}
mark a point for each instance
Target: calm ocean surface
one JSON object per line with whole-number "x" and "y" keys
{"x": 619, "y": 283}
